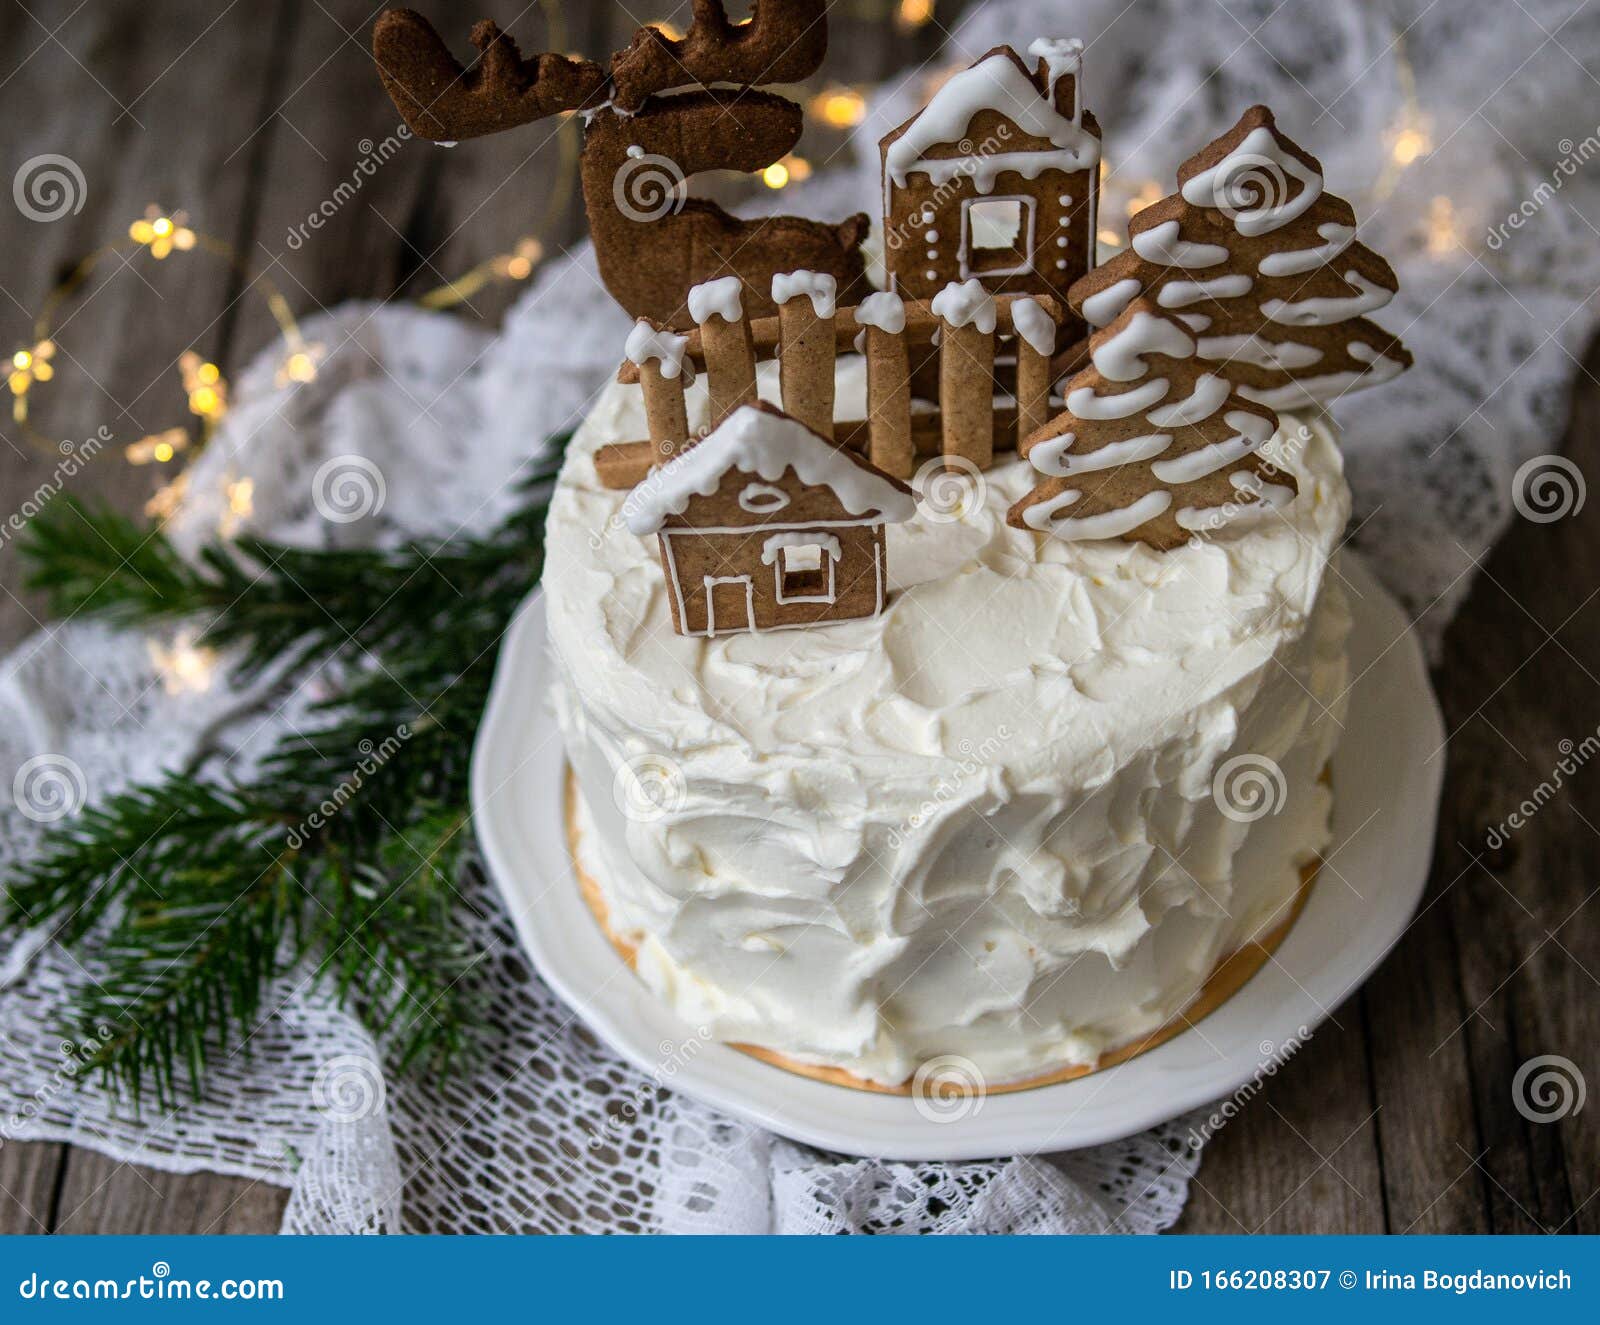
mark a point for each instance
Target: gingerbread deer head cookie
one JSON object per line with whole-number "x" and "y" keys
{"x": 667, "y": 109}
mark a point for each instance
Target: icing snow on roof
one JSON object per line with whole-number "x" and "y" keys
{"x": 764, "y": 442}
{"x": 994, "y": 83}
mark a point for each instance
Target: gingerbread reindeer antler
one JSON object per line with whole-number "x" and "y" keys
{"x": 442, "y": 101}
{"x": 779, "y": 43}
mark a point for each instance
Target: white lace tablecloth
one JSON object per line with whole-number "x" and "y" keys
{"x": 548, "y": 1131}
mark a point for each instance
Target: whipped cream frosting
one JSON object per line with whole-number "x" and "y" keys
{"x": 982, "y": 823}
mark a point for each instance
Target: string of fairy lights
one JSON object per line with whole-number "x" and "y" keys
{"x": 161, "y": 235}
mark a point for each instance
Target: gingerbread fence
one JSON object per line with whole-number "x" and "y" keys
{"x": 963, "y": 325}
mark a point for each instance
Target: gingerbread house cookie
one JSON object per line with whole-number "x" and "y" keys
{"x": 765, "y": 524}
{"x": 995, "y": 179}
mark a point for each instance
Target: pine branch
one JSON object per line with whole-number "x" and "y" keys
{"x": 270, "y": 600}
{"x": 189, "y": 898}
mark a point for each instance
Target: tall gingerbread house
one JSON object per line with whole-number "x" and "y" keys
{"x": 997, "y": 179}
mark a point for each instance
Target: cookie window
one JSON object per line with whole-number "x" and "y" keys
{"x": 997, "y": 235}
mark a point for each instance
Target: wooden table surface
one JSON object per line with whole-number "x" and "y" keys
{"x": 1399, "y": 1117}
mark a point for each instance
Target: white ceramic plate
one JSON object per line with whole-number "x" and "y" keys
{"x": 1387, "y": 804}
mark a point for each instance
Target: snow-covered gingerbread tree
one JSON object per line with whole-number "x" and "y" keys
{"x": 1154, "y": 445}
{"x": 1262, "y": 265}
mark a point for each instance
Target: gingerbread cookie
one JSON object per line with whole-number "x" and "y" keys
{"x": 1154, "y": 445}
{"x": 765, "y": 524}
{"x": 996, "y": 179}
{"x": 643, "y": 141}
{"x": 1262, "y": 265}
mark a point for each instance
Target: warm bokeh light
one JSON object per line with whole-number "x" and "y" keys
{"x": 914, "y": 13}
{"x": 839, "y": 107}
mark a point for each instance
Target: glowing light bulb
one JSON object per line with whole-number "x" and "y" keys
{"x": 776, "y": 175}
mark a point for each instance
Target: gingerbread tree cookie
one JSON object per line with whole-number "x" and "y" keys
{"x": 1263, "y": 267}
{"x": 1154, "y": 444}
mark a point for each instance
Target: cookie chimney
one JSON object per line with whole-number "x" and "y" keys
{"x": 1060, "y": 67}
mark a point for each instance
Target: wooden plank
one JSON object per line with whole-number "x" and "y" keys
{"x": 1299, "y": 1157}
{"x": 29, "y": 1172}
{"x": 120, "y": 92}
{"x": 1518, "y": 678}
{"x": 101, "y": 1195}
{"x": 351, "y": 210}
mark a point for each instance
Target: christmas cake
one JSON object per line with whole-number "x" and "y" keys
{"x": 1020, "y": 815}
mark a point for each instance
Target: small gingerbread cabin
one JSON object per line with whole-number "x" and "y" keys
{"x": 765, "y": 524}
{"x": 997, "y": 177}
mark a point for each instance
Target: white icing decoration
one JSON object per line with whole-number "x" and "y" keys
{"x": 818, "y": 286}
{"x": 1316, "y": 390}
{"x": 1065, "y": 200}
{"x": 1034, "y": 325}
{"x": 1108, "y": 524}
{"x": 1087, "y": 405}
{"x": 645, "y": 343}
{"x": 762, "y": 498}
{"x": 1120, "y": 358}
{"x": 1267, "y": 499}
{"x": 1180, "y": 294}
{"x": 1251, "y": 185}
{"x": 1195, "y": 321}
{"x": 932, "y": 236}
{"x": 757, "y": 441}
{"x": 774, "y": 543}
{"x": 1160, "y": 243}
{"x": 1283, "y": 355}
{"x": 1291, "y": 262}
{"x": 1209, "y": 393}
{"x": 722, "y": 298}
{"x": 995, "y": 83}
{"x": 1326, "y": 312}
{"x": 884, "y": 310}
{"x": 1050, "y": 456}
{"x": 1105, "y": 306}
{"x": 966, "y": 303}
{"x": 1063, "y": 57}
{"x": 1205, "y": 460}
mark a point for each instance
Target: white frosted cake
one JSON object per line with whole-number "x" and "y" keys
{"x": 1021, "y": 816}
